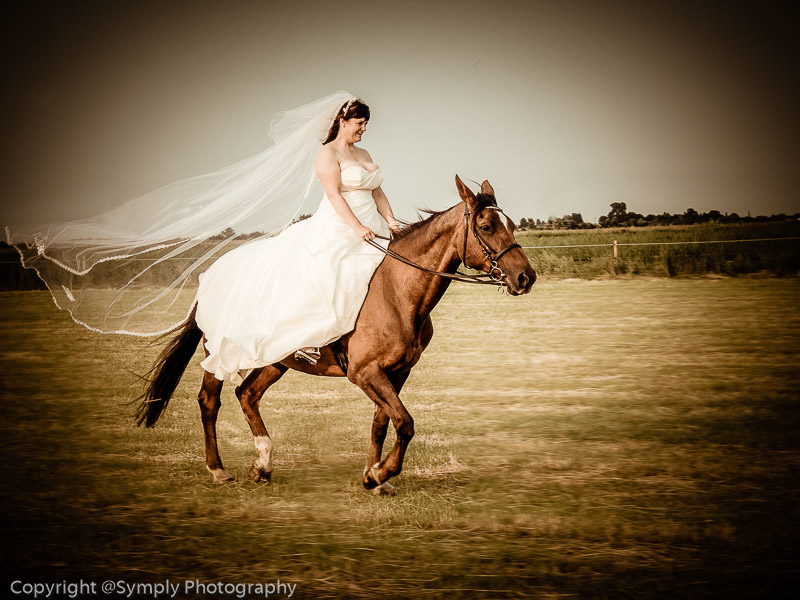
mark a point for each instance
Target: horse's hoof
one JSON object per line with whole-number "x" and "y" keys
{"x": 370, "y": 479}
{"x": 220, "y": 476}
{"x": 258, "y": 474}
{"x": 384, "y": 489}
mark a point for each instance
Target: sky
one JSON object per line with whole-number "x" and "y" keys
{"x": 563, "y": 106}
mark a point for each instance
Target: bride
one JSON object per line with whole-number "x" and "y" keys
{"x": 125, "y": 271}
{"x": 303, "y": 288}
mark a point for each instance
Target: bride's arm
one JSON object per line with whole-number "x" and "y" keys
{"x": 384, "y": 208}
{"x": 327, "y": 170}
{"x": 382, "y": 202}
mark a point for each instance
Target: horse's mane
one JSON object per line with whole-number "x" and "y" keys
{"x": 412, "y": 227}
{"x": 483, "y": 200}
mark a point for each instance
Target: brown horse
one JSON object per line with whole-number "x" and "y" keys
{"x": 393, "y": 329}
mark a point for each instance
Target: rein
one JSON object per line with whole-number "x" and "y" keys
{"x": 493, "y": 277}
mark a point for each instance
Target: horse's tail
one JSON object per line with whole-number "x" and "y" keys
{"x": 163, "y": 378}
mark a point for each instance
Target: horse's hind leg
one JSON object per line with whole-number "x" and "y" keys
{"x": 209, "y": 401}
{"x": 249, "y": 394}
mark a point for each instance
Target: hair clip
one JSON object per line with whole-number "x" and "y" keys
{"x": 347, "y": 106}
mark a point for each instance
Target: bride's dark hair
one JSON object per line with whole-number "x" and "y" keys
{"x": 357, "y": 110}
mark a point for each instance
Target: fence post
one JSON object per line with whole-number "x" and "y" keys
{"x": 615, "y": 250}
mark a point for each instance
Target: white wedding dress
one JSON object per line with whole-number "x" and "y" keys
{"x": 304, "y": 287}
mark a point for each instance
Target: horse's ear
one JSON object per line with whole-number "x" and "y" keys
{"x": 463, "y": 191}
{"x": 486, "y": 188}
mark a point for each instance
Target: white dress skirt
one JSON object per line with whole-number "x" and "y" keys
{"x": 305, "y": 287}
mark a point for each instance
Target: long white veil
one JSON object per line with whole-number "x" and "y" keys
{"x": 131, "y": 270}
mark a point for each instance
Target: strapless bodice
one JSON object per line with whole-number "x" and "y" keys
{"x": 356, "y": 177}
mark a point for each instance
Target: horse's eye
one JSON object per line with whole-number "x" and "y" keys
{"x": 485, "y": 228}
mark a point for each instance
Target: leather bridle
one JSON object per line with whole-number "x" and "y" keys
{"x": 492, "y": 256}
{"x": 493, "y": 277}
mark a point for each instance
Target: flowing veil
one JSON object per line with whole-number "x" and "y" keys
{"x": 129, "y": 270}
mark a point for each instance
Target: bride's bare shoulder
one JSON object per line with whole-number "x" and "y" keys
{"x": 326, "y": 152}
{"x": 363, "y": 154}
{"x": 326, "y": 157}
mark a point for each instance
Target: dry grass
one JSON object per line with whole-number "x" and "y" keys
{"x": 594, "y": 439}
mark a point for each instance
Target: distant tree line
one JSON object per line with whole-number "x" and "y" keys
{"x": 573, "y": 221}
{"x": 619, "y": 216}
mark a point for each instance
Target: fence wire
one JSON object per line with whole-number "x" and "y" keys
{"x": 618, "y": 244}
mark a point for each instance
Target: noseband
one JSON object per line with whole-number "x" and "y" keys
{"x": 495, "y": 272}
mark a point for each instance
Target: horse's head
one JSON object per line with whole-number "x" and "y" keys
{"x": 488, "y": 242}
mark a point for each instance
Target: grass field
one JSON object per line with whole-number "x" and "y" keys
{"x": 604, "y": 439}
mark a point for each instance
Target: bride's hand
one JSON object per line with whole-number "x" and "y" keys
{"x": 365, "y": 233}
{"x": 395, "y": 227}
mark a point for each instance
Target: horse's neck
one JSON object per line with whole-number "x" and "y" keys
{"x": 432, "y": 246}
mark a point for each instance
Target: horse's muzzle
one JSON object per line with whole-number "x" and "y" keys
{"x": 522, "y": 283}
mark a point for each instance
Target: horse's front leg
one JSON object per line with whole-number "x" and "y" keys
{"x": 249, "y": 394}
{"x": 380, "y": 389}
{"x": 380, "y": 424}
